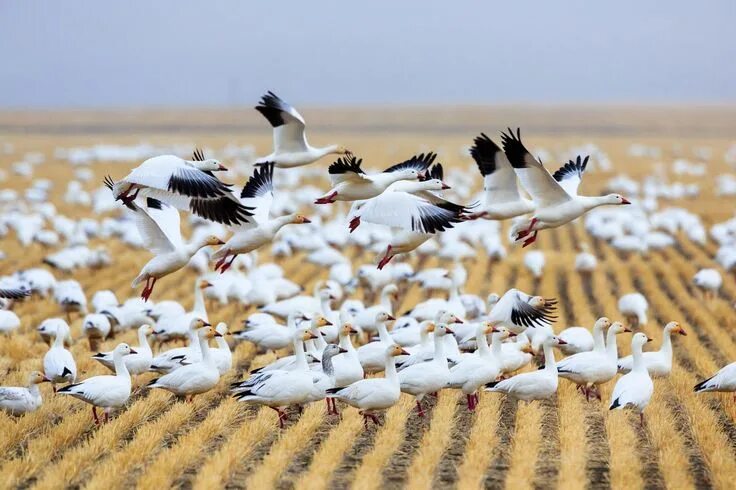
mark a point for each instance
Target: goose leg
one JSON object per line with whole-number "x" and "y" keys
{"x": 94, "y": 415}
{"x": 107, "y": 416}
{"x": 328, "y": 199}
{"x": 420, "y": 410}
{"x": 386, "y": 259}
{"x": 229, "y": 264}
{"x": 220, "y": 262}
{"x": 530, "y": 240}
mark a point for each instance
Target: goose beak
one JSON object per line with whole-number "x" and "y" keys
{"x": 220, "y": 242}
{"x": 649, "y": 340}
{"x": 133, "y": 351}
{"x": 404, "y": 353}
{"x": 207, "y": 324}
{"x": 449, "y": 330}
{"x": 306, "y": 220}
{"x": 561, "y": 342}
{"x": 342, "y": 351}
{"x": 390, "y": 318}
{"x": 457, "y": 320}
{"x": 445, "y": 186}
{"x": 682, "y": 332}
{"x": 218, "y": 334}
{"x": 625, "y": 201}
{"x": 312, "y": 336}
{"x": 627, "y": 329}
{"x": 222, "y": 168}
{"x": 352, "y": 330}
{"x": 45, "y": 380}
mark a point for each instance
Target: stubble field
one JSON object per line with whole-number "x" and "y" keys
{"x": 158, "y": 442}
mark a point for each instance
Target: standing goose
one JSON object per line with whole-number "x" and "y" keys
{"x": 195, "y": 378}
{"x": 172, "y": 359}
{"x": 347, "y": 365}
{"x": 351, "y": 183}
{"x": 23, "y": 399}
{"x": 58, "y": 363}
{"x": 659, "y": 362}
{"x": 365, "y": 320}
{"x": 502, "y": 199}
{"x": 280, "y": 388}
{"x": 324, "y": 378}
{"x": 372, "y": 355}
{"x": 555, "y": 198}
{"x": 185, "y": 184}
{"x": 635, "y": 389}
{"x": 536, "y": 385}
{"x": 290, "y": 146}
{"x": 428, "y": 377}
{"x": 106, "y": 392}
{"x": 724, "y": 380}
{"x": 222, "y": 354}
{"x": 373, "y": 394}
{"x": 160, "y": 229}
{"x": 138, "y": 361}
{"x": 257, "y": 194}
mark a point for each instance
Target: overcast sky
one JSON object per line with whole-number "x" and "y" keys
{"x": 218, "y": 53}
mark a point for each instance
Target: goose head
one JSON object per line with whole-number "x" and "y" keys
{"x": 145, "y": 329}
{"x": 396, "y": 350}
{"x": 639, "y": 339}
{"x": 618, "y": 327}
{"x": 221, "y": 328}
{"x": 208, "y": 164}
{"x": 615, "y": 199}
{"x": 332, "y": 350}
{"x": 300, "y": 219}
{"x": 204, "y": 284}
{"x": 447, "y": 317}
{"x": 441, "y": 329}
{"x": 675, "y": 327}
{"x": 124, "y": 349}
{"x": 383, "y": 317}
{"x": 320, "y": 321}
{"x": 208, "y": 333}
{"x": 198, "y": 323}
{"x": 37, "y": 377}
{"x": 602, "y": 323}
{"x": 213, "y": 240}
{"x": 347, "y": 329}
{"x": 304, "y": 334}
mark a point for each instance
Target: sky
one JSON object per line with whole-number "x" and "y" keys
{"x": 133, "y": 53}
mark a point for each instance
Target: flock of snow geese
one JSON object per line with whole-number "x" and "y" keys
{"x": 461, "y": 342}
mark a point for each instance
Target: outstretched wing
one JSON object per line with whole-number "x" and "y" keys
{"x": 346, "y": 168}
{"x": 288, "y": 125}
{"x": 155, "y": 223}
{"x": 257, "y": 193}
{"x": 543, "y": 188}
{"x": 420, "y": 163}
{"x": 499, "y": 179}
{"x": 411, "y": 212}
{"x": 570, "y": 175}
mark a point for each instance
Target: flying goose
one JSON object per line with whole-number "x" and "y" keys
{"x": 290, "y": 146}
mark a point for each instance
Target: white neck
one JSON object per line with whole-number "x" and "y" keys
{"x": 33, "y": 389}
{"x": 61, "y": 334}
{"x": 495, "y": 345}
{"x": 204, "y": 346}
{"x": 611, "y": 346}
{"x": 222, "y": 343}
{"x": 390, "y": 370}
{"x": 301, "y": 357}
{"x": 199, "y": 307}
{"x": 549, "y": 359}
{"x": 143, "y": 342}
{"x": 383, "y": 333}
{"x": 590, "y": 202}
{"x": 666, "y": 347}
{"x": 639, "y": 365}
{"x": 320, "y": 341}
{"x": 327, "y": 150}
{"x": 120, "y": 368}
{"x": 193, "y": 248}
{"x": 326, "y": 308}
{"x": 598, "y": 343}
{"x": 346, "y": 343}
{"x": 482, "y": 341}
{"x": 439, "y": 350}
{"x": 386, "y": 302}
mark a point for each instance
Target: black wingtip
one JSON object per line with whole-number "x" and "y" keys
{"x": 66, "y": 371}
{"x": 109, "y": 183}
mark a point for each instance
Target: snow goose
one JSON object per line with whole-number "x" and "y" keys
{"x": 501, "y": 197}
{"x": 257, "y": 193}
{"x": 58, "y": 363}
{"x": 347, "y": 365}
{"x": 198, "y": 377}
{"x": 372, "y": 355}
{"x": 172, "y": 359}
{"x": 23, "y": 399}
{"x": 421, "y": 352}
{"x": 577, "y": 339}
{"x": 137, "y": 362}
{"x": 324, "y": 378}
{"x": 536, "y": 385}
{"x": 106, "y": 392}
{"x": 271, "y": 335}
{"x": 314, "y": 347}
{"x": 96, "y": 327}
{"x": 373, "y": 394}
{"x": 102, "y": 299}
{"x": 185, "y": 184}
{"x": 428, "y": 377}
{"x": 366, "y": 319}
{"x": 474, "y": 371}
{"x": 611, "y": 343}
{"x": 159, "y": 226}
{"x": 555, "y": 197}
{"x": 709, "y": 281}
{"x": 585, "y": 261}
{"x": 222, "y": 355}
{"x": 724, "y": 380}
{"x": 591, "y": 368}
{"x": 9, "y": 321}
{"x": 518, "y": 311}
{"x": 633, "y": 307}
{"x": 70, "y": 297}
{"x": 351, "y": 183}
{"x": 406, "y": 331}
{"x": 280, "y": 388}
{"x": 635, "y": 389}
{"x": 290, "y": 146}
{"x": 658, "y": 363}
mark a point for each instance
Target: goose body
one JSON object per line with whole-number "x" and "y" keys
{"x": 22, "y": 399}
{"x": 58, "y": 363}
{"x": 138, "y": 361}
{"x": 724, "y": 380}
{"x": 634, "y": 389}
{"x": 659, "y": 362}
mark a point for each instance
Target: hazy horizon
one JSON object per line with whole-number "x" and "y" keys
{"x": 87, "y": 55}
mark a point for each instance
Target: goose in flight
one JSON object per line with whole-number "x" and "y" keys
{"x": 351, "y": 183}
{"x": 502, "y": 199}
{"x": 257, "y": 194}
{"x": 555, "y": 197}
{"x": 290, "y": 146}
{"x": 189, "y": 185}
{"x": 159, "y": 227}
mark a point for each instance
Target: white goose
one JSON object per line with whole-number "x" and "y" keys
{"x": 372, "y": 355}
{"x": 365, "y": 320}
{"x": 137, "y": 362}
{"x": 106, "y": 392}
{"x": 290, "y": 146}
{"x": 474, "y": 371}
{"x": 324, "y": 378}
{"x": 536, "y": 385}
{"x": 159, "y": 228}
{"x": 280, "y": 388}
{"x": 176, "y": 323}
{"x": 589, "y": 369}
{"x": 198, "y": 377}
{"x": 172, "y": 359}
{"x": 428, "y": 377}
{"x": 185, "y": 184}
{"x": 633, "y": 307}
{"x": 555, "y": 198}
{"x": 658, "y": 363}
{"x": 724, "y": 380}
{"x": 518, "y": 311}
{"x": 257, "y": 194}
{"x": 314, "y": 347}
{"x": 271, "y": 335}
{"x": 222, "y": 355}
{"x": 23, "y": 399}
{"x": 635, "y": 389}
{"x": 373, "y": 394}
{"x": 351, "y": 183}
{"x": 58, "y": 363}
{"x": 501, "y": 197}
{"x": 347, "y": 365}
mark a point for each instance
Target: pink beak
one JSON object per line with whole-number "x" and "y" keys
{"x": 445, "y": 186}
{"x": 625, "y": 201}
